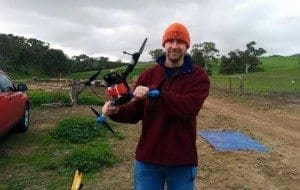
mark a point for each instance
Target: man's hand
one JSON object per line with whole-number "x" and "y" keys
{"x": 108, "y": 109}
{"x": 140, "y": 91}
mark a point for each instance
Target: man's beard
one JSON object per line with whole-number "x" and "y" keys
{"x": 175, "y": 56}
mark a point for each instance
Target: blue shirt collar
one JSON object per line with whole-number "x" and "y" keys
{"x": 187, "y": 66}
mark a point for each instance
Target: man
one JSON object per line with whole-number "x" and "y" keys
{"x": 166, "y": 152}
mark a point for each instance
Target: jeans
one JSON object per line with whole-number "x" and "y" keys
{"x": 154, "y": 176}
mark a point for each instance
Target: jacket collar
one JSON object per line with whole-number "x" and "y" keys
{"x": 187, "y": 66}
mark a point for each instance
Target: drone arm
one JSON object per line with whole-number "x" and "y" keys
{"x": 134, "y": 60}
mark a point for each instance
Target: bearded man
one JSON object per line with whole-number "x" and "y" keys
{"x": 166, "y": 152}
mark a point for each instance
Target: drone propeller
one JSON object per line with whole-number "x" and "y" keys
{"x": 143, "y": 46}
{"x": 95, "y": 112}
{"x": 134, "y": 59}
{"x": 92, "y": 78}
{"x": 87, "y": 82}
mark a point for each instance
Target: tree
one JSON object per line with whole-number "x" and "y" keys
{"x": 18, "y": 54}
{"x": 242, "y": 61}
{"x": 36, "y": 50}
{"x": 209, "y": 52}
{"x": 197, "y": 57}
{"x": 156, "y": 53}
{"x": 231, "y": 64}
{"x": 251, "y": 56}
{"x": 205, "y": 54}
{"x": 55, "y": 62}
{"x": 81, "y": 63}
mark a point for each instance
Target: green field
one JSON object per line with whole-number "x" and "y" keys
{"x": 280, "y": 75}
{"x": 280, "y": 63}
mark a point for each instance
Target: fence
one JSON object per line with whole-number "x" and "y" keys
{"x": 258, "y": 84}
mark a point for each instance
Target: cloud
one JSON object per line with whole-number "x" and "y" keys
{"x": 106, "y": 28}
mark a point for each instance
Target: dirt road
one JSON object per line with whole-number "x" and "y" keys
{"x": 273, "y": 123}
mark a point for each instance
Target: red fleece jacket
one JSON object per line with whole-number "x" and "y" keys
{"x": 169, "y": 123}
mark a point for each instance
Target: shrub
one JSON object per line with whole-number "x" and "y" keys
{"x": 37, "y": 98}
{"x": 90, "y": 99}
{"x": 209, "y": 72}
{"x": 78, "y": 130}
{"x": 90, "y": 158}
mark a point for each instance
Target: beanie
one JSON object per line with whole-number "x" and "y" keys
{"x": 176, "y": 31}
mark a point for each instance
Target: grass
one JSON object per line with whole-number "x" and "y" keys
{"x": 277, "y": 81}
{"x": 41, "y": 160}
{"x": 38, "y": 98}
{"x": 281, "y": 75}
{"x": 30, "y": 166}
{"x": 89, "y": 159}
{"x": 261, "y": 82}
{"x": 77, "y": 130}
{"x": 280, "y": 63}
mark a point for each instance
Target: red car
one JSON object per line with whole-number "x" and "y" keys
{"x": 14, "y": 105}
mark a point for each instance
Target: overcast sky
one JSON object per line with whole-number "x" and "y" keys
{"x": 107, "y": 27}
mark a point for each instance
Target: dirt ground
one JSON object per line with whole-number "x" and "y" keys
{"x": 275, "y": 123}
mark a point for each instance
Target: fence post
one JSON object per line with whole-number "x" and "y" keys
{"x": 214, "y": 82}
{"x": 241, "y": 85}
{"x": 74, "y": 91}
{"x": 230, "y": 85}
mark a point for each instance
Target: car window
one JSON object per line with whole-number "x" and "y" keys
{"x": 5, "y": 83}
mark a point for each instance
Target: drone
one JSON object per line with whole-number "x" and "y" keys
{"x": 116, "y": 85}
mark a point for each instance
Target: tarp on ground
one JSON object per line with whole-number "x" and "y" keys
{"x": 228, "y": 140}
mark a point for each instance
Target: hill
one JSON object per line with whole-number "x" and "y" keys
{"x": 269, "y": 64}
{"x": 280, "y": 63}
{"x": 273, "y": 63}
{"x": 280, "y": 74}
{"x": 296, "y": 55}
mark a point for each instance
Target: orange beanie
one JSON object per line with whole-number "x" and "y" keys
{"x": 176, "y": 31}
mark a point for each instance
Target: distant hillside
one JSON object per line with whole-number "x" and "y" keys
{"x": 280, "y": 63}
{"x": 281, "y": 74}
{"x": 296, "y": 55}
{"x": 273, "y": 63}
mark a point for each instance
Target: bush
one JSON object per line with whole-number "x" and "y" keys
{"x": 37, "y": 98}
{"x": 90, "y": 158}
{"x": 89, "y": 99}
{"x": 209, "y": 72}
{"x": 78, "y": 130}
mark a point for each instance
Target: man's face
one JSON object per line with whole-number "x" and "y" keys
{"x": 175, "y": 50}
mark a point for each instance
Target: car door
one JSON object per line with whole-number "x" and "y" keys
{"x": 4, "y": 115}
{"x": 9, "y": 109}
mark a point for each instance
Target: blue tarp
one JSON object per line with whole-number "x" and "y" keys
{"x": 231, "y": 140}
